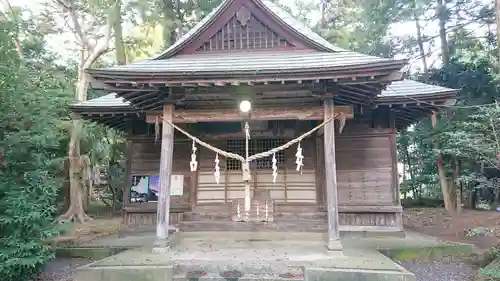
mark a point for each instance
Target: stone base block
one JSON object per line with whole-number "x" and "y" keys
{"x": 334, "y": 246}
{"x": 344, "y": 274}
{"x": 122, "y": 273}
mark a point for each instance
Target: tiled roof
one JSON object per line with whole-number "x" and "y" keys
{"x": 109, "y": 100}
{"x": 255, "y": 62}
{"x": 411, "y": 87}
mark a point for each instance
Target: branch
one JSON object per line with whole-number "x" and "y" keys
{"x": 17, "y": 41}
{"x": 100, "y": 49}
{"x": 70, "y": 7}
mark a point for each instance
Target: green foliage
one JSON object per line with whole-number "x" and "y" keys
{"x": 33, "y": 98}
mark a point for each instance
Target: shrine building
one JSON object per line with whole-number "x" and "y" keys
{"x": 250, "y": 79}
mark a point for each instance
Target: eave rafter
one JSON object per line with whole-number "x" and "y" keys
{"x": 226, "y": 94}
{"x": 155, "y": 81}
{"x": 407, "y": 114}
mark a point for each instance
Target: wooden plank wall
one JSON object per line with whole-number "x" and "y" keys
{"x": 145, "y": 160}
{"x": 290, "y": 187}
{"x": 367, "y": 179}
{"x": 366, "y": 173}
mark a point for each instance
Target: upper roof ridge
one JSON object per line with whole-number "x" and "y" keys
{"x": 280, "y": 15}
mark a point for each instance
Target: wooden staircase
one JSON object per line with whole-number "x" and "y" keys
{"x": 280, "y": 217}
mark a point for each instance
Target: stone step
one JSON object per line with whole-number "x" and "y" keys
{"x": 225, "y": 276}
{"x": 306, "y": 216}
{"x": 193, "y": 226}
{"x": 287, "y": 208}
{"x": 207, "y": 216}
{"x": 239, "y": 266}
{"x": 317, "y": 217}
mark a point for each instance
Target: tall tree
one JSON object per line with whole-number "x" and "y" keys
{"x": 90, "y": 52}
{"x": 121, "y": 55}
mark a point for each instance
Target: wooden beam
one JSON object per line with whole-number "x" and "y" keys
{"x": 333, "y": 243}
{"x": 229, "y": 115}
{"x": 166, "y": 158}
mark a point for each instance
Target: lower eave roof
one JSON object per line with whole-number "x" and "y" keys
{"x": 405, "y": 90}
{"x": 410, "y": 101}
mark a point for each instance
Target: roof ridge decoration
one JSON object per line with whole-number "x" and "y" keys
{"x": 242, "y": 9}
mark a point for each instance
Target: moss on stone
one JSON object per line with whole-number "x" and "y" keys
{"x": 433, "y": 253}
{"x": 94, "y": 253}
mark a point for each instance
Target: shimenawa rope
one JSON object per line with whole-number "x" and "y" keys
{"x": 255, "y": 156}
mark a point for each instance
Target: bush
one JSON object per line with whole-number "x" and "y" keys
{"x": 26, "y": 223}
{"x": 423, "y": 203}
{"x": 33, "y": 102}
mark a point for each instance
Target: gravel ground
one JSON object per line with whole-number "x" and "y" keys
{"x": 61, "y": 269}
{"x": 439, "y": 271}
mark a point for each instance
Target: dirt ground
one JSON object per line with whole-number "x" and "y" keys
{"x": 437, "y": 222}
{"x": 431, "y": 221}
{"x": 102, "y": 226}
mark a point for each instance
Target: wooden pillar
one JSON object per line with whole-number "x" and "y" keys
{"x": 128, "y": 177}
{"x": 333, "y": 243}
{"x": 163, "y": 206}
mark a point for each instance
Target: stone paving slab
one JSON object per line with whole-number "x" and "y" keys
{"x": 412, "y": 239}
{"x": 260, "y": 259}
{"x": 260, "y": 256}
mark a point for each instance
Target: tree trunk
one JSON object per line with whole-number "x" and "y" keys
{"x": 447, "y": 196}
{"x": 323, "y": 15}
{"x": 121, "y": 57}
{"x": 420, "y": 43}
{"x": 497, "y": 19}
{"x": 408, "y": 160}
{"x": 453, "y": 184}
{"x": 441, "y": 13}
{"x": 89, "y": 53}
{"x": 169, "y": 23}
{"x": 75, "y": 210}
{"x": 497, "y": 189}
{"x": 17, "y": 41}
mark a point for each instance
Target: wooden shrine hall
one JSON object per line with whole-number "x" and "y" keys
{"x": 253, "y": 122}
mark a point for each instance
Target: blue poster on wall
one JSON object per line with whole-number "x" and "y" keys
{"x": 154, "y": 183}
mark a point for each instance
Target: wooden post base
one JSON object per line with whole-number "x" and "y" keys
{"x": 161, "y": 246}
{"x": 334, "y": 246}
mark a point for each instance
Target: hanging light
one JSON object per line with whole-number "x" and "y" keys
{"x": 245, "y": 106}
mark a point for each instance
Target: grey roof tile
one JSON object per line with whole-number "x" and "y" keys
{"x": 109, "y": 100}
{"x": 249, "y": 62}
{"x": 410, "y": 88}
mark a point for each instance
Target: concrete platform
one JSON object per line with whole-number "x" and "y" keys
{"x": 251, "y": 256}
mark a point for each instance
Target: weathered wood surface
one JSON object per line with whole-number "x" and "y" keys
{"x": 149, "y": 219}
{"x": 331, "y": 178}
{"x": 290, "y": 186}
{"x": 145, "y": 160}
{"x": 368, "y": 219}
{"x": 242, "y": 32}
{"x": 234, "y": 114}
{"x": 365, "y": 170}
{"x": 163, "y": 206}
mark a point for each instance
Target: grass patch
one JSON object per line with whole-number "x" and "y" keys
{"x": 92, "y": 253}
{"x": 429, "y": 253}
